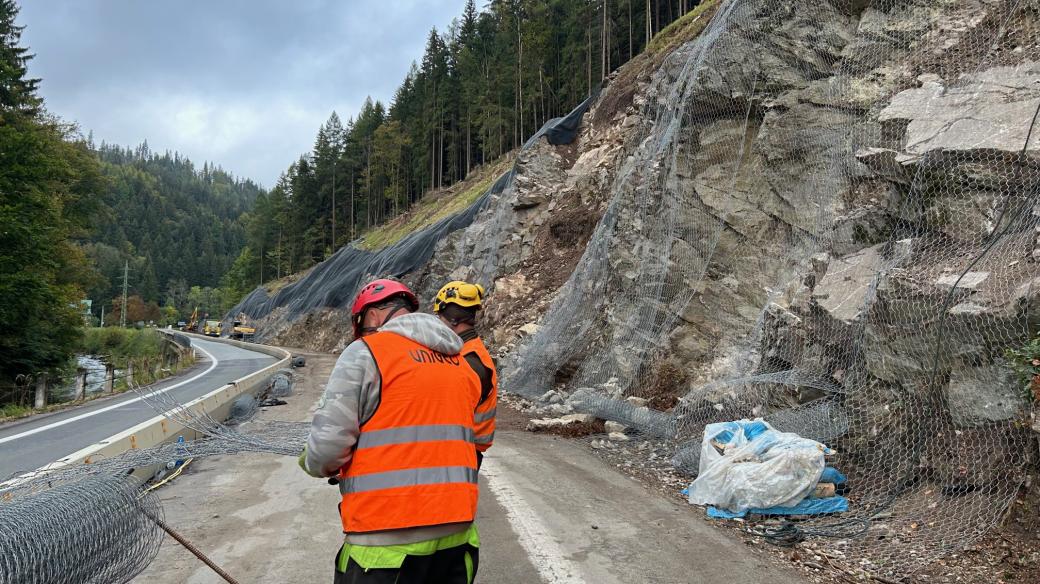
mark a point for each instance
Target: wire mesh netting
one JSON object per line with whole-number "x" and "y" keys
{"x": 98, "y": 530}
{"x": 836, "y": 206}
{"x": 95, "y": 522}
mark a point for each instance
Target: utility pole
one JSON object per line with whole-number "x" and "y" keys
{"x": 122, "y": 311}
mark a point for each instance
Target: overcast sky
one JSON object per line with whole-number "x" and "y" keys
{"x": 243, "y": 83}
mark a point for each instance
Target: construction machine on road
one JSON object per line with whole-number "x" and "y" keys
{"x": 241, "y": 332}
{"x": 212, "y": 328}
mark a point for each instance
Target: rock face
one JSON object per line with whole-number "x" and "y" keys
{"x": 984, "y": 394}
{"x": 973, "y": 113}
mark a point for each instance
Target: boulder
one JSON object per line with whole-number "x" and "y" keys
{"x": 842, "y": 291}
{"x": 546, "y": 423}
{"x": 638, "y": 402}
{"x": 529, "y": 329}
{"x": 969, "y": 281}
{"x": 982, "y": 395}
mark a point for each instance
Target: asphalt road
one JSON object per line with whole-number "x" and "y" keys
{"x": 28, "y": 444}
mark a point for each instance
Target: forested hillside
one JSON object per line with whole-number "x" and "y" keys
{"x": 47, "y": 183}
{"x": 178, "y": 226}
{"x": 484, "y": 85}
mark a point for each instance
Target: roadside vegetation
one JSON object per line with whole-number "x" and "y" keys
{"x": 145, "y": 351}
{"x": 120, "y": 345}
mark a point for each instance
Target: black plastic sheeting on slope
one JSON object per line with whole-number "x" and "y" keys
{"x": 334, "y": 282}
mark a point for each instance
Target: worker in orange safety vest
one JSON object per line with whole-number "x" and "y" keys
{"x": 395, "y": 429}
{"x": 457, "y": 304}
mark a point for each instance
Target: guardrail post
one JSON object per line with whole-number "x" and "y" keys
{"x": 129, "y": 373}
{"x": 110, "y": 378}
{"x": 41, "y": 392}
{"x": 81, "y": 384}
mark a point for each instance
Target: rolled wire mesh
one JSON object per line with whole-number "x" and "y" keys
{"x": 94, "y": 522}
{"x": 99, "y": 530}
{"x": 870, "y": 168}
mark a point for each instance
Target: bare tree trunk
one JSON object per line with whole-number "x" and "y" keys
{"x": 630, "y": 55}
{"x": 603, "y": 43}
{"x": 649, "y": 24}
{"x": 520, "y": 79}
{"x": 588, "y": 34}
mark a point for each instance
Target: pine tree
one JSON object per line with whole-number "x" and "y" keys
{"x": 17, "y": 91}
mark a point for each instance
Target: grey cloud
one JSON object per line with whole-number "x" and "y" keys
{"x": 241, "y": 83}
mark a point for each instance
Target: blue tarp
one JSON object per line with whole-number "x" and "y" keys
{"x": 832, "y": 475}
{"x": 806, "y": 507}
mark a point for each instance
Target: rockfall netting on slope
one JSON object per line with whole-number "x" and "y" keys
{"x": 334, "y": 283}
{"x": 833, "y": 216}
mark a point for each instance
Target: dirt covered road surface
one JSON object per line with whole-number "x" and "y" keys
{"x": 551, "y": 511}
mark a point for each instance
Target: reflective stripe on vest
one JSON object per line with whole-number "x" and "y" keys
{"x": 475, "y": 345}
{"x": 414, "y": 464}
{"x": 412, "y": 434}
{"x": 484, "y": 414}
{"x": 408, "y": 478}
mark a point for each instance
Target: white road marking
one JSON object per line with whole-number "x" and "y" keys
{"x": 534, "y": 536}
{"x": 53, "y": 425}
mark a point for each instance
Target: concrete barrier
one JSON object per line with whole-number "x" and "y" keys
{"x": 217, "y": 404}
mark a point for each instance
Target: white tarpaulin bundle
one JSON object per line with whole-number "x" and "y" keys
{"x": 748, "y": 464}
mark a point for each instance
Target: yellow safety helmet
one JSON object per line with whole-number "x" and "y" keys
{"x": 461, "y": 293}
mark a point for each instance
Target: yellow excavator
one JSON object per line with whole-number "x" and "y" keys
{"x": 193, "y": 322}
{"x": 242, "y": 332}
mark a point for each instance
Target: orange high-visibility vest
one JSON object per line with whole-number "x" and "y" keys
{"x": 484, "y": 415}
{"x": 414, "y": 463}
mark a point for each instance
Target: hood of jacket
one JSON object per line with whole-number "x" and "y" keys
{"x": 427, "y": 330}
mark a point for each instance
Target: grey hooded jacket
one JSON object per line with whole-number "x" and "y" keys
{"x": 351, "y": 398}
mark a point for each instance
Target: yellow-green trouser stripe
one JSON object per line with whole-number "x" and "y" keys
{"x": 392, "y": 556}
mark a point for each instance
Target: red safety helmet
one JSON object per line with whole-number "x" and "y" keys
{"x": 377, "y": 292}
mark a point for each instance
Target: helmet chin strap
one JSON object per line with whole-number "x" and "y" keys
{"x": 371, "y": 329}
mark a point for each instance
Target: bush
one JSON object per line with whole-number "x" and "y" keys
{"x": 14, "y": 411}
{"x": 120, "y": 344}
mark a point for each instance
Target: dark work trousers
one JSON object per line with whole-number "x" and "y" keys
{"x": 443, "y": 567}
